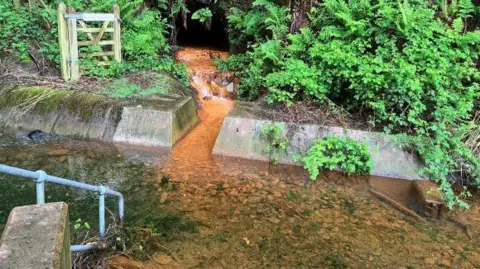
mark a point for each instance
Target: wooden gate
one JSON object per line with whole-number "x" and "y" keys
{"x": 71, "y": 23}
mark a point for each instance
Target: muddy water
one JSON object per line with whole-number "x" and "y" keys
{"x": 191, "y": 158}
{"x": 228, "y": 213}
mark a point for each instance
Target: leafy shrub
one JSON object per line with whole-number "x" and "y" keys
{"x": 277, "y": 142}
{"x": 338, "y": 153}
{"x": 144, "y": 38}
{"x": 202, "y": 15}
{"x": 335, "y": 261}
{"x": 265, "y": 20}
{"x": 413, "y": 65}
{"x": 21, "y": 28}
{"x": 16, "y": 31}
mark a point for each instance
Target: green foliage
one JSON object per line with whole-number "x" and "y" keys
{"x": 265, "y": 20}
{"x": 20, "y": 28}
{"x": 81, "y": 225}
{"x": 144, "y": 36}
{"x": 338, "y": 153}
{"x": 202, "y": 15}
{"x": 220, "y": 187}
{"x": 123, "y": 88}
{"x": 16, "y": 31}
{"x": 277, "y": 142}
{"x": 411, "y": 64}
{"x": 164, "y": 180}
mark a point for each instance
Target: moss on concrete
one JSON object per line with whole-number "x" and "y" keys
{"x": 47, "y": 100}
{"x": 184, "y": 119}
{"x": 157, "y": 121}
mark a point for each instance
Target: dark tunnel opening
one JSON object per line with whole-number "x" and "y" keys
{"x": 198, "y": 35}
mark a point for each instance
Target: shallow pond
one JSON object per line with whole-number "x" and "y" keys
{"x": 240, "y": 214}
{"x": 188, "y": 209}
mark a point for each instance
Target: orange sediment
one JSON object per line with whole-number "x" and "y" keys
{"x": 193, "y": 152}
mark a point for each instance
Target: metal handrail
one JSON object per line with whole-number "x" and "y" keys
{"x": 40, "y": 177}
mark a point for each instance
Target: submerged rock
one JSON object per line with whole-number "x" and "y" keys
{"x": 38, "y": 136}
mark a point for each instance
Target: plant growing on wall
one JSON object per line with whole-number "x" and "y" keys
{"x": 343, "y": 153}
{"x": 277, "y": 142}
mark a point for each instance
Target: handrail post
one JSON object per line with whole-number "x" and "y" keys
{"x": 101, "y": 210}
{"x": 121, "y": 209}
{"x": 40, "y": 177}
{"x": 40, "y": 186}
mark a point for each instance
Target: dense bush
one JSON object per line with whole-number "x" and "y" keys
{"x": 412, "y": 64}
{"x": 144, "y": 36}
{"x": 22, "y": 32}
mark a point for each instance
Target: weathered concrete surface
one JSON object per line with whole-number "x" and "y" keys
{"x": 157, "y": 122}
{"x": 154, "y": 125}
{"x": 240, "y": 137}
{"x": 36, "y": 236}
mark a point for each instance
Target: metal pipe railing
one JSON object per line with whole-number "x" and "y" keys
{"x": 41, "y": 177}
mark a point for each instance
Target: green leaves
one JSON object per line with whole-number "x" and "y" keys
{"x": 81, "y": 225}
{"x": 412, "y": 65}
{"x": 265, "y": 20}
{"x": 202, "y": 15}
{"x": 21, "y": 28}
{"x": 277, "y": 142}
{"x": 333, "y": 153}
{"x": 144, "y": 36}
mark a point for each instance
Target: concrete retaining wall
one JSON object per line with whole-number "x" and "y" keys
{"x": 37, "y": 236}
{"x": 159, "y": 122}
{"x": 240, "y": 137}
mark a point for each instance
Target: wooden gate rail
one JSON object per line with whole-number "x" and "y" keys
{"x": 71, "y": 23}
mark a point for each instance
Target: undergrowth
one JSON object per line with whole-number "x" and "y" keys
{"x": 411, "y": 65}
{"x": 30, "y": 34}
{"x": 125, "y": 88}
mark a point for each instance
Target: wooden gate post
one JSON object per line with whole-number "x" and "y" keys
{"x": 17, "y": 4}
{"x": 73, "y": 44}
{"x": 63, "y": 41}
{"x": 117, "y": 47}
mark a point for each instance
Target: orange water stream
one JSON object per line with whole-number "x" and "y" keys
{"x": 193, "y": 152}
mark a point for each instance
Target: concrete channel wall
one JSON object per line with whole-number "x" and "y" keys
{"x": 36, "y": 236}
{"x": 159, "y": 121}
{"x": 240, "y": 137}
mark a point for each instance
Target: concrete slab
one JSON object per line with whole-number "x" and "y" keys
{"x": 36, "y": 236}
{"x": 152, "y": 125}
{"x": 240, "y": 137}
{"x": 160, "y": 121}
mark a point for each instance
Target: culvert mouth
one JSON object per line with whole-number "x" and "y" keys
{"x": 198, "y": 34}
